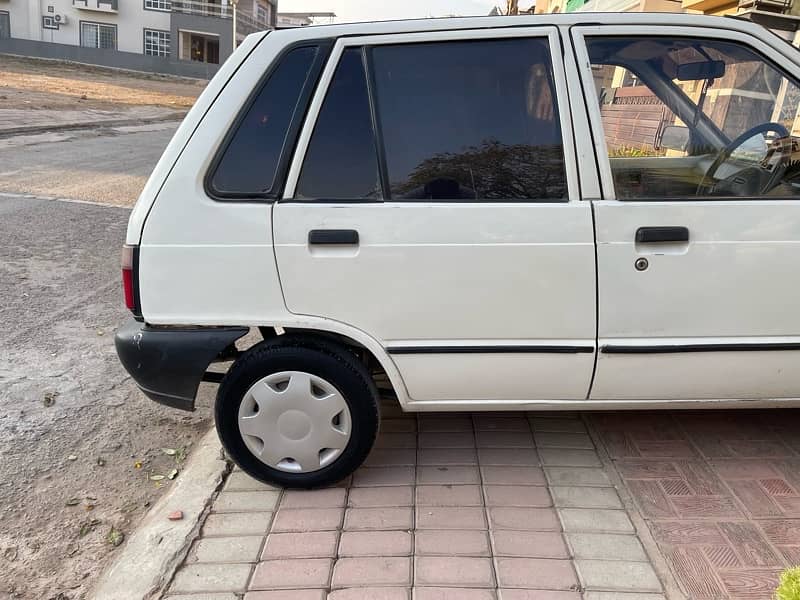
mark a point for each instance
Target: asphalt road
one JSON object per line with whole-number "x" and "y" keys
{"x": 78, "y": 442}
{"x": 108, "y": 165}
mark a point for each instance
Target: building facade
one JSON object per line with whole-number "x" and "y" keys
{"x": 781, "y": 16}
{"x": 290, "y": 20}
{"x": 171, "y": 30}
{"x": 551, "y": 6}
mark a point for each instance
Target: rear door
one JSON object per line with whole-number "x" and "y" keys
{"x": 698, "y": 244}
{"x": 433, "y": 203}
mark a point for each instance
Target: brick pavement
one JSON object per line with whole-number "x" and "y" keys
{"x": 719, "y": 490}
{"x": 448, "y": 506}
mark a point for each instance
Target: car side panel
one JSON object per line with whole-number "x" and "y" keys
{"x": 205, "y": 262}
{"x": 182, "y": 135}
{"x": 732, "y": 285}
{"x": 421, "y": 268}
{"x": 454, "y": 275}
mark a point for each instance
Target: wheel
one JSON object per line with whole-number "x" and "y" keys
{"x": 297, "y": 412}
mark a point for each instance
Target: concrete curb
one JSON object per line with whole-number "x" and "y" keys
{"x": 29, "y": 129}
{"x": 158, "y": 546}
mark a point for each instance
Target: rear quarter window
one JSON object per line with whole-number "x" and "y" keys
{"x": 251, "y": 163}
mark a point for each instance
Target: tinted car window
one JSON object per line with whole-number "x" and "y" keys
{"x": 470, "y": 120}
{"x": 341, "y": 161}
{"x": 249, "y": 164}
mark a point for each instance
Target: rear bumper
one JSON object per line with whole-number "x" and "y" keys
{"x": 168, "y": 363}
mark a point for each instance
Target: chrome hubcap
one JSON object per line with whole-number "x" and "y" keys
{"x": 294, "y": 421}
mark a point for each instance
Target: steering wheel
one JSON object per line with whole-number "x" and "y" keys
{"x": 706, "y": 185}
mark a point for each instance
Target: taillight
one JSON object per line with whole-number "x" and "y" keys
{"x": 127, "y": 277}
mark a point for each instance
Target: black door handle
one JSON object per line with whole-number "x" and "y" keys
{"x": 333, "y": 236}
{"x": 658, "y": 235}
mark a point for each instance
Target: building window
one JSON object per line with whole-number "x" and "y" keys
{"x": 157, "y": 4}
{"x": 263, "y": 14}
{"x": 98, "y": 35}
{"x": 156, "y": 43}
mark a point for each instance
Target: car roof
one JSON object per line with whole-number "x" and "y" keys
{"x": 498, "y": 22}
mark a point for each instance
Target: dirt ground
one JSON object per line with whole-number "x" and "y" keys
{"x": 83, "y": 454}
{"x": 53, "y": 85}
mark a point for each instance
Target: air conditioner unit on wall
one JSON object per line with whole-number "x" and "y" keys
{"x": 60, "y": 19}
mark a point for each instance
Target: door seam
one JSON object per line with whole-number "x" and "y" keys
{"x": 596, "y": 304}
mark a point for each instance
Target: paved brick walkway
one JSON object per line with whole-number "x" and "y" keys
{"x": 447, "y": 507}
{"x": 720, "y": 491}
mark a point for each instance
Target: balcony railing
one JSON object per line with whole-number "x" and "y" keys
{"x": 205, "y": 9}
{"x": 246, "y": 22}
{"x": 775, "y": 6}
{"x": 96, "y": 5}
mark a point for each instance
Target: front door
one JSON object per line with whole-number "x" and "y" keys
{"x": 434, "y": 206}
{"x": 5, "y": 25}
{"x": 212, "y": 51}
{"x": 698, "y": 240}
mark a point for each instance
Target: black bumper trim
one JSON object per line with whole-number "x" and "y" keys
{"x": 168, "y": 363}
{"x": 186, "y": 404}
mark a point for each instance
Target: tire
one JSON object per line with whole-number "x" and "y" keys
{"x": 324, "y": 362}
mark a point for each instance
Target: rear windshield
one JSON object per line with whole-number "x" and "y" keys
{"x": 249, "y": 164}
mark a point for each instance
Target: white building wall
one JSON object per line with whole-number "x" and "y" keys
{"x": 131, "y": 21}
{"x": 19, "y": 15}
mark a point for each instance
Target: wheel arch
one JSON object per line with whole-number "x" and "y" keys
{"x": 351, "y": 337}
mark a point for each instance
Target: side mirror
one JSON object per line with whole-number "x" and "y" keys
{"x": 674, "y": 137}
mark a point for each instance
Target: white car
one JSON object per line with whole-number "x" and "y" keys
{"x": 550, "y": 212}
